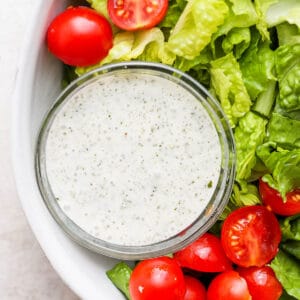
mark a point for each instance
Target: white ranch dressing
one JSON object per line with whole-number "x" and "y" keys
{"x": 133, "y": 159}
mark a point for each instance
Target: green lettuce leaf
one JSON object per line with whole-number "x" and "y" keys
{"x": 241, "y": 14}
{"x": 257, "y": 65}
{"x": 290, "y": 228}
{"x": 262, "y": 25}
{"x": 228, "y": 85}
{"x": 292, "y": 247}
{"x": 287, "y": 270}
{"x": 283, "y": 165}
{"x": 236, "y": 41}
{"x": 284, "y": 131}
{"x": 248, "y": 135}
{"x": 288, "y": 72}
{"x": 100, "y": 6}
{"x": 283, "y": 11}
{"x": 288, "y": 34}
{"x": 194, "y": 29}
{"x": 140, "y": 45}
{"x": 119, "y": 276}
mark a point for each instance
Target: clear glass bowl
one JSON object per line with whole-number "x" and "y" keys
{"x": 206, "y": 218}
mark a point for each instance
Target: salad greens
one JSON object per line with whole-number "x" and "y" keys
{"x": 247, "y": 54}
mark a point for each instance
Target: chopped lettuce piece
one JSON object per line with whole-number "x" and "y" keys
{"x": 292, "y": 247}
{"x": 287, "y": 270}
{"x": 120, "y": 275}
{"x": 290, "y": 228}
{"x": 283, "y": 165}
{"x": 262, "y": 7}
{"x": 143, "y": 45}
{"x": 236, "y": 41}
{"x": 228, "y": 85}
{"x": 257, "y": 65}
{"x": 248, "y": 135}
{"x": 100, "y": 6}
{"x": 283, "y": 11}
{"x": 284, "y": 131}
{"x": 288, "y": 34}
{"x": 288, "y": 70}
{"x": 241, "y": 14}
{"x": 193, "y": 31}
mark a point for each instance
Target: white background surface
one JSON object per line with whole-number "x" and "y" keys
{"x": 25, "y": 272}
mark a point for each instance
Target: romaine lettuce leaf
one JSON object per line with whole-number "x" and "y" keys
{"x": 100, "y": 6}
{"x": 288, "y": 34}
{"x": 284, "y": 131}
{"x": 283, "y": 11}
{"x": 228, "y": 85}
{"x": 257, "y": 65}
{"x": 288, "y": 72}
{"x": 287, "y": 270}
{"x": 236, "y": 41}
{"x": 143, "y": 45}
{"x": 283, "y": 165}
{"x": 193, "y": 31}
{"x": 290, "y": 228}
{"x": 119, "y": 276}
{"x": 241, "y": 14}
{"x": 248, "y": 135}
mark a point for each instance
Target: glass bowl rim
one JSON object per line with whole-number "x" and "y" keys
{"x": 203, "y": 222}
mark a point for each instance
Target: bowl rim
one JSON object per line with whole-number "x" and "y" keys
{"x": 207, "y": 217}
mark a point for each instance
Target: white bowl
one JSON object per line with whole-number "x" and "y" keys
{"x": 38, "y": 84}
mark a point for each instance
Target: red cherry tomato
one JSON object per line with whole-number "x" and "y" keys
{"x": 273, "y": 200}
{"x": 205, "y": 254}
{"x": 262, "y": 283}
{"x": 157, "y": 278}
{"x": 228, "y": 285}
{"x": 134, "y": 15}
{"x": 250, "y": 236}
{"x": 195, "y": 290}
{"x": 79, "y": 36}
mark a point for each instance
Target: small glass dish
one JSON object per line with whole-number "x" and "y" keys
{"x": 183, "y": 236}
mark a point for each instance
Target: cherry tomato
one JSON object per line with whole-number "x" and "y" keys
{"x": 262, "y": 283}
{"x": 205, "y": 254}
{"x": 228, "y": 285}
{"x": 157, "y": 278}
{"x": 134, "y": 15}
{"x": 195, "y": 290}
{"x": 273, "y": 200}
{"x": 250, "y": 236}
{"x": 79, "y": 36}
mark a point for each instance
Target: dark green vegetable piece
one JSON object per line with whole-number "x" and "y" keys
{"x": 287, "y": 270}
{"x": 120, "y": 275}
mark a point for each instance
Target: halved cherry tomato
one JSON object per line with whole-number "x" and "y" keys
{"x": 250, "y": 236}
{"x": 79, "y": 36}
{"x": 137, "y": 14}
{"x": 195, "y": 290}
{"x": 228, "y": 285}
{"x": 205, "y": 254}
{"x": 273, "y": 200}
{"x": 158, "y": 278}
{"x": 262, "y": 283}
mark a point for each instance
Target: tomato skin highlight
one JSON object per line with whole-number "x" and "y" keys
{"x": 272, "y": 199}
{"x": 79, "y": 36}
{"x": 250, "y": 236}
{"x": 205, "y": 255}
{"x": 195, "y": 290}
{"x": 228, "y": 285}
{"x": 134, "y": 15}
{"x": 158, "y": 278}
{"x": 262, "y": 282}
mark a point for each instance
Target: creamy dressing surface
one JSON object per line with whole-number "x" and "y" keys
{"x": 133, "y": 159}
